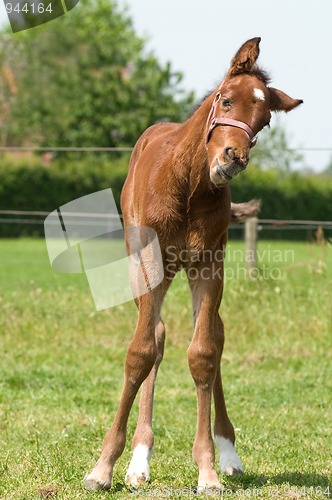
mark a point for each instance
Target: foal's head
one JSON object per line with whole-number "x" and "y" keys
{"x": 241, "y": 107}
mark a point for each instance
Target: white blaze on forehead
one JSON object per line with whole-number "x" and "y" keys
{"x": 259, "y": 94}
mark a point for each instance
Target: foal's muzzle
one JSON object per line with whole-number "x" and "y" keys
{"x": 231, "y": 158}
{"x": 224, "y": 171}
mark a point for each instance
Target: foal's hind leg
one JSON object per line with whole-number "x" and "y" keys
{"x": 224, "y": 434}
{"x": 139, "y": 470}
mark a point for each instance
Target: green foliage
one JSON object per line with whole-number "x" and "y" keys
{"x": 86, "y": 80}
{"x": 61, "y": 375}
{"x": 273, "y": 151}
{"x": 328, "y": 170}
{"x": 285, "y": 195}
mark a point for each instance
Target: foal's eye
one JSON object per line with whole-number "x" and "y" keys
{"x": 226, "y": 102}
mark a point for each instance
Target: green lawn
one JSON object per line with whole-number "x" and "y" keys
{"x": 61, "y": 377}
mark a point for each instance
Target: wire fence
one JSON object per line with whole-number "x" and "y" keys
{"x": 270, "y": 223}
{"x": 304, "y": 230}
{"x": 264, "y": 226}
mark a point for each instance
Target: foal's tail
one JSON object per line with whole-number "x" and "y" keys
{"x": 242, "y": 211}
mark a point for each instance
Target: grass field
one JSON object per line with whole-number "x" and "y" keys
{"x": 61, "y": 377}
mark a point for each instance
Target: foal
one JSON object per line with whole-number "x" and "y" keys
{"x": 178, "y": 184}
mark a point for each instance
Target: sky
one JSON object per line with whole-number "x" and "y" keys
{"x": 200, "y": 37}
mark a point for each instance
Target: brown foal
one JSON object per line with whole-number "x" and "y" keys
{"x": 178, "y": 184}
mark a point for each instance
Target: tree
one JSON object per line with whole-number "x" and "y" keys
{"x": 273, "y": 151}
{"x": 85, "y": 79}
{"x": 328, "y": 169}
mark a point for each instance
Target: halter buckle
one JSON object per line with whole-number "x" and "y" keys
{"x": 253, "y": 142}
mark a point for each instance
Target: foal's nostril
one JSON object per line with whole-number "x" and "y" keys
{"x": 228, "y": 154}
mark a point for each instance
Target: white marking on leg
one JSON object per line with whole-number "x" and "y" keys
{"x": 139, "y": 471}
{"x": 230, "y": 462}
{"x": 259, "y": 94}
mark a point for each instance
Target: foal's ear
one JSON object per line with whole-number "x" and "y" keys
{"x": 279, "y": 101}
{"x": 245, "y": 57}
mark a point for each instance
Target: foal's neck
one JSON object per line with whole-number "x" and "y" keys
{"x": 191, "y": 150}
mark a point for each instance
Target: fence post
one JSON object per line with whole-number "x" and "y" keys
{"x": 251, "y": 242}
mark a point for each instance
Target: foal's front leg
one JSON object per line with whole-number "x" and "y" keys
{"x": 141, "y": 356}
{"x": 139, "y": 470}
{"x": 202, "y": 358}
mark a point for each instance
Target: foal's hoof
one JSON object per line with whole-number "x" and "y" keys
{"x": 100, "y": 478}
{"x": 94, "y": 484}
{"x": 231, "y": 471}
{"x": 208, "y": 481}
{"x": 135, "y": 480}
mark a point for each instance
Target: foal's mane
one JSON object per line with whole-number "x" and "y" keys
{"x": 259, "y": 73}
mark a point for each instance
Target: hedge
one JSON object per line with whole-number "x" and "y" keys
{"x": 30, "y": 185}
{"x": 286, "y": 195}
